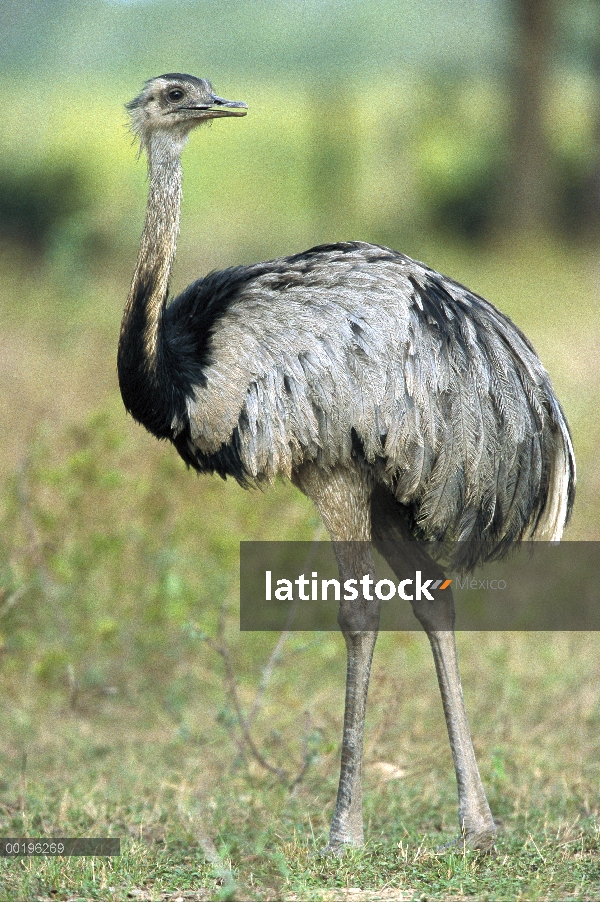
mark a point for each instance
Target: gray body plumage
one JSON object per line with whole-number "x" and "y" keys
{"x": 353, "y": 350}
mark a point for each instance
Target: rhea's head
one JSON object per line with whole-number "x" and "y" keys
{"x": 172, "y": 105}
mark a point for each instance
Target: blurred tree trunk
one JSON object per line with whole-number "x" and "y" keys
{"x": 528, "y": 195}
{"x": 591, "y": 200}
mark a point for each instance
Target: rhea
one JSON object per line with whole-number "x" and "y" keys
{"x": 405, "y": 406}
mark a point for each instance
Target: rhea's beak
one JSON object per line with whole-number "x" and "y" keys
{"x": 221, "y": 107}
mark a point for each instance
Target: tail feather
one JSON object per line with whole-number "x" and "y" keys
{"x": 561, "y": 491}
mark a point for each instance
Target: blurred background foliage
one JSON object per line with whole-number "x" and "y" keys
{"x": 376, "y": 119}
{"x": 464, "y": 133}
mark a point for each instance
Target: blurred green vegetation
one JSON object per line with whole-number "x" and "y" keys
{"x": 415, "y": 155}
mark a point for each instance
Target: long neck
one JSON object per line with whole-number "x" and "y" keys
{"x": 139, "y": 344}
{"x": 159, "y": 240}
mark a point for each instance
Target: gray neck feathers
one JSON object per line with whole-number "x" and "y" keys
{"x": 159, "y": 237}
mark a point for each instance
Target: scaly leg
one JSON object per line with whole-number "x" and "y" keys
{"x": 392, "y": 537}
{"x": 474, "y": 815}
{"x": 343, "y": 501}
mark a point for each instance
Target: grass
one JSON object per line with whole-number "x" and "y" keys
{"x": 117, "y": 717}
{"x": 172, "y": 785}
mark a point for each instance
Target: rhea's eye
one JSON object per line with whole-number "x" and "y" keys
{"x": 176, "y": 94}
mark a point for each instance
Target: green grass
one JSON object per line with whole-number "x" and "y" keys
{"x": 173, "y": 787}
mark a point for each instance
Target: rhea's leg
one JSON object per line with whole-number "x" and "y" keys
{"x": 359, "y": 626}
{"x": 474, "y": 815}
{"x": 391, "y": 537}
{"x": 342, "y": 498}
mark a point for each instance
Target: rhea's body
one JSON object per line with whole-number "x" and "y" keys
{"x": 355, "y": 351}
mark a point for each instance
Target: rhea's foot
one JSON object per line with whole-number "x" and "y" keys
{"x": 337, "y": 848}
{"x": 476, "y": 841}
{"x": 332, "y": 851}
